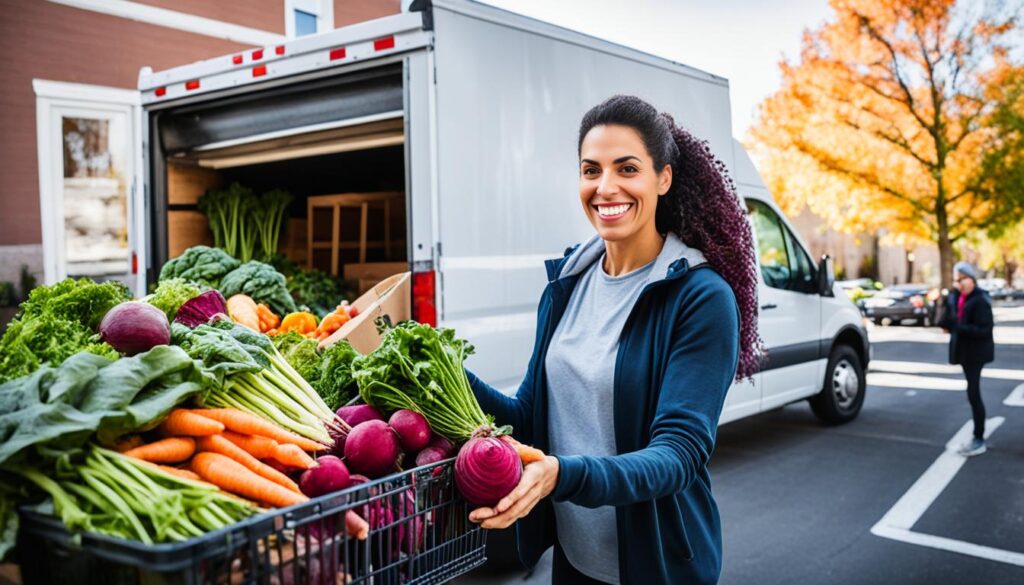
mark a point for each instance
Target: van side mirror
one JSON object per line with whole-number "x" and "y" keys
{"x": 826, "y": 276}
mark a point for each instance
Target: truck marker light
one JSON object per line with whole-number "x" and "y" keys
{"x": 160, "y": 91}
{"x": 385, "y": 43}
{"x": 236, "y": 59}
{"x": 337, "y": 54}
{"x": 190, "y": 85}
{"x": 257, "y": 54}
{"x": 279, "y": 49}
{"x": 259, "y": 71}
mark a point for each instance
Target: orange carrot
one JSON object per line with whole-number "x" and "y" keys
{"x": 268, "y": 320}
{"x": 356, "y": 526}
{"x": 255, "y": 445}
{"x": 183, "y": 422}
{"x": 232, "y": 476}
{"x": 248, "y": 424}
{"x": 169, "y": 450}
{"x": 527, "y": 454}
{"x": 293, "y": 456}
{"x": 218, "y": 444}
{"x": 126, "y": 443}
{"x": 183, "y": 473}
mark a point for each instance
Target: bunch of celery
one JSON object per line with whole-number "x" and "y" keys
{"x": 251, "y": 375}
{"x": 123, "y": 497}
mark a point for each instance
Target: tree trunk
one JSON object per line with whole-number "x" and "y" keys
{"x": 945, "y": 260}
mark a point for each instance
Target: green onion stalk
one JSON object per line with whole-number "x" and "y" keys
{"x": 123, "y": 497}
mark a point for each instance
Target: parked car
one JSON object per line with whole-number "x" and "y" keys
{"x": 903, "y": 301}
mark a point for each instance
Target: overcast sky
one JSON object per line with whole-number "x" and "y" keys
{"x": 741, "y": 40}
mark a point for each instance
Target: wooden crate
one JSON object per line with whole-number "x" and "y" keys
{"x": 389, "y": 201}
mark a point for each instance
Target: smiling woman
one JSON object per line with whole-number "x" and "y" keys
{"x": 640, "y": 333}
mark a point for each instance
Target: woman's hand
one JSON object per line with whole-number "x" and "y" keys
{"x": 539, "y": 479}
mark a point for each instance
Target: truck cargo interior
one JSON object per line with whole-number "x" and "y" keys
{"x": 343, "y": 164}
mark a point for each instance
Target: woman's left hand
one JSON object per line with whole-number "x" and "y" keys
{"x": 539, "y": 479}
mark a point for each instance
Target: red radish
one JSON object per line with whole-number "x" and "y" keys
{"x": 133, "y": 327}
{"x": 412, "y": 428}
{"x": 443, "y": 443}
{"x": 430, "y": 455}
{"x": 330, "y": 475}
{"x": 358, "y": 413}
{"x": 372, "y": 448}
{"x": 486, "y": 470}
{"x": 356, "y": 479}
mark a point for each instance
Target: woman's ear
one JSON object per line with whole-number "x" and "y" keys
{"x": 664, "y": 180}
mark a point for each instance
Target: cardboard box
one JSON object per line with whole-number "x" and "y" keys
{"x": 369, "y": 274}
{"x": 392, "y": 297}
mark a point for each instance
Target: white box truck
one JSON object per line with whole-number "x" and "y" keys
{"x": 470, "y": 114}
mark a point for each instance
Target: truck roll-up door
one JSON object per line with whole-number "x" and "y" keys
{"x": 365, "y": 93}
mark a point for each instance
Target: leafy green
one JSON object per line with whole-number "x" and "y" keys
{"x": 171, "y": 294}
{"x": 301, "y": 353}
{"x": 57, "y": 409}
{"x": 56, "y": 322}
{"x": 336, "y": 383}
{"x": 317, "y": 290}
{"x": 421, "y": 368}
{"x": 329, "y": 371}
{"x": 261, "y": 282}
{"x": 200, "y": 264}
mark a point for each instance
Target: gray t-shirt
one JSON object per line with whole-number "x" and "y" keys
{"x": 580, "y": 367}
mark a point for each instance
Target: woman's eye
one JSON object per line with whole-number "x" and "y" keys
{"x": 629, "y": 169}
{"x": 587, "y": 170}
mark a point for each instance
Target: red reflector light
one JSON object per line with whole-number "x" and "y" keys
{"x": 337, "y": 54}
{"x": 190, "y": 85}
{"x": 160, "y": 91}
{"x": 279, "y": 49}
{"x": 259, "y": 70}
{"x": 424, "y": 307}
{"x": 385, "y": 43}
{"x": 135, "y": 263}
{"x": 257, "y": 54}
{"x": 236, "y": 59}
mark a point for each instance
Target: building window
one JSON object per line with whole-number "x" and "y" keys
{"x": 305, "y": 23}
{"x": 308, "y": 17}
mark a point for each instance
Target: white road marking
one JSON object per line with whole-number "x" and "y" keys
{"x": 904, "y": 367}
{"x": 1016, "y": 397}
{"x": 896, "y": 524}
{"x": 912, "y": 381}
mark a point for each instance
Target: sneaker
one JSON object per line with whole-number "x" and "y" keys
{"x": 972, "y": 447}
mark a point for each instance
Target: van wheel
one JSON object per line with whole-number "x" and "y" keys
{"x": 842, "y": 395}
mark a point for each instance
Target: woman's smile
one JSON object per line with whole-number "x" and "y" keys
{"x": 614, "y": 211}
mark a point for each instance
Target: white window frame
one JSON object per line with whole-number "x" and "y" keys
{"x": 69, "y": 97}
{"x": 322, "y": 9}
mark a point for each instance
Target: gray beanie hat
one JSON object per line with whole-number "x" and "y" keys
{"x": 967, "y": 270}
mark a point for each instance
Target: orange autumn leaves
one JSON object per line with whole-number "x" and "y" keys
{"x": 889, "y": 116}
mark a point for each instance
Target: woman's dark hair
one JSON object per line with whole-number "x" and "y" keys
{"x": 701, "y": 206}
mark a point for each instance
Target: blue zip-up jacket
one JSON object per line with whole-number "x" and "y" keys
{"x": 677, "y": 356}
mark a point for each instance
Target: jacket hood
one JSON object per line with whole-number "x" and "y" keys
{"x": 582, "y": 256}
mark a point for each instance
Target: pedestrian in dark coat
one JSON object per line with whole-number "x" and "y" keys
{"x": 968, "y": 319}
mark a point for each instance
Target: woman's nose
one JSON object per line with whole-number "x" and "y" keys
{"x": 607, "y": 185}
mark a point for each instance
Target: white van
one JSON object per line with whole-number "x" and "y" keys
{"x": 443, "y": 141}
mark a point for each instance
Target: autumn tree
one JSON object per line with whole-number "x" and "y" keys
{"x": 902, "y": 114}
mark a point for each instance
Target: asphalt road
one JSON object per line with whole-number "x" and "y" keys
{"x": 799, "y": 500}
